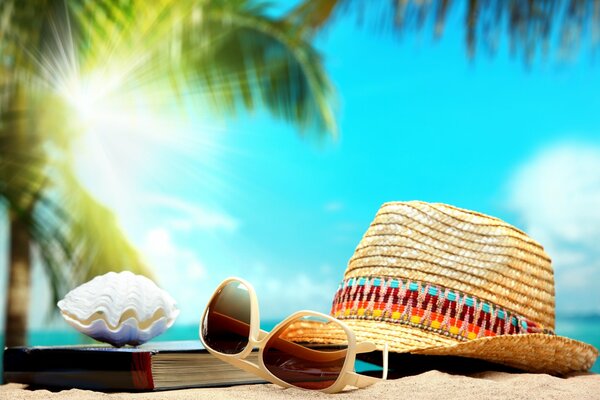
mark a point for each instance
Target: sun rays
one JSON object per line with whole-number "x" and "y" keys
{"x": 134, "y": 122}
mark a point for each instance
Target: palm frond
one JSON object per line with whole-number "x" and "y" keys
{"x": 53, "y": 248}
{"x": 532, "y": 27}
{"x": 97, "y": 241}
{"x": 255, "y": 60}
{"x": 22, "y": 157}
{"x": 75, "y": 236}
{"x": 230, "y": 52}
{"x": 78, "y": 238}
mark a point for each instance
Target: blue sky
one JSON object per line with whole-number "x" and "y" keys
{"x": 418, "y": 121}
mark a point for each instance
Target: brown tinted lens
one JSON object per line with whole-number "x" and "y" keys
{"x": 291, "y": 357}
{"x": 226, "y": 324}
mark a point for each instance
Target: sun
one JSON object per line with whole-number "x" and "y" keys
{"x": 134, "y": 123}
{"x": 136, "y": 137}
{"x": 114, "y": 133}
{"x": 135, "y": 130}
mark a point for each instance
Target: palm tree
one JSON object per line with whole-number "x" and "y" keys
{"x": 231, "y": 51}
{"x": 530, "y": 25}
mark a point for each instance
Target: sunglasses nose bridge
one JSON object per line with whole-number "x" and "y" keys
{"x": 262, "y": 335}
{"x": 257, "y": 338}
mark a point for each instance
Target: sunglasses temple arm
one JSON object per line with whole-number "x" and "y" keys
{"x": 361, "y": 381}
{"x": 248, "y": 367}
{"x": 367, "y": 347}
{"x": 385, "y": 361}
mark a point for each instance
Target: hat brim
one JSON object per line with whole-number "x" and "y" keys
{"x": 534, "y": 352}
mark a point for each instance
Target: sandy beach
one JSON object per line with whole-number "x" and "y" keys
{"x": 428, "y": 385}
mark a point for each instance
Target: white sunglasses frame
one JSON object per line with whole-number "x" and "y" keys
{"x": 258, "y": 338}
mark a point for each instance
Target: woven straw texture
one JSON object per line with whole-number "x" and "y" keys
{"x": 462, "y": 250}
{"x": 476, "y": 255}
{"x": 549, "y": 354}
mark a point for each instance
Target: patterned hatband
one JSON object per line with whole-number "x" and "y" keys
{"x": 426, "y": 306}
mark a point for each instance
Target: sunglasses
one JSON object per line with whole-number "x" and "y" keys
{"x": 230, "y": 330}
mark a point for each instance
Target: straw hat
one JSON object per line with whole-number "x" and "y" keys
{"x": 439, "y": 280}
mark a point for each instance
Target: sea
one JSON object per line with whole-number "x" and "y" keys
{"x": 584, "y": 328}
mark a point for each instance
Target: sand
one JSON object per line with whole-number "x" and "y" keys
{"x": 429, "y": 385}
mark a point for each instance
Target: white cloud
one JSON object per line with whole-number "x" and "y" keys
{"x": 283, "y": 292}
{"x": 159, "y": 242}
{"x": 557, "y": 196}
{"x": 179, "y": 271}
{"x": 196, "y": 270}
{"x": 190, "y": 215}
{"x": 560, "y": 190}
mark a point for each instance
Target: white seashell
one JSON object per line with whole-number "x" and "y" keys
{"x": 119, "y": 308}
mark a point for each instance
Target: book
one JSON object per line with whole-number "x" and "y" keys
{"x": 149, "y": 367}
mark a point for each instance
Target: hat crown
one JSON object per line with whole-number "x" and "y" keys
{"x": 461, "y": 250}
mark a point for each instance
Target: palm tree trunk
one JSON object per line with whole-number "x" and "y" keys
{"x": 17, "y": 301}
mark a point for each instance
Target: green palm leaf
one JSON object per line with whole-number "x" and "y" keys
{"x": 230, "y": 52}
{"x": 255, "y": 61}
{"x": 530, "y": 26}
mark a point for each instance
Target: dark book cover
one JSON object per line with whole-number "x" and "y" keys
{"x": 106, "y": 368}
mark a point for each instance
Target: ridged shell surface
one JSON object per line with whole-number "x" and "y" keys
{"x": 119, "y": 308}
